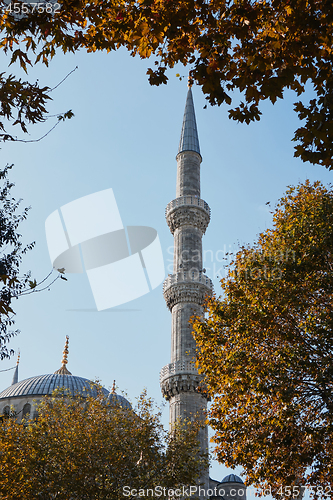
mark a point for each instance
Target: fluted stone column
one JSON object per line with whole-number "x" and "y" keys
{"x": 184, "y": 291}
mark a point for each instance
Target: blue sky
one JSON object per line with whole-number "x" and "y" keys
{"x": 125, "y": 136}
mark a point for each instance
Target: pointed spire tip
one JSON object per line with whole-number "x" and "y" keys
{"x": 189, "y": 140}
{"x": 15, "y": 376}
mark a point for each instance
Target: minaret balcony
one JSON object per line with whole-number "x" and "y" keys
{"x": 187, "y": 200}
{"x": 187, "y": 276}
{"x": 178, "y": 368}
{"x": 181, "y": 376}
{"x": 187, "y": 210}
{"x": 188, "y": 287}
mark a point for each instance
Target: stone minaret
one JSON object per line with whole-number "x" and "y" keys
{"x": 184, "y": 291}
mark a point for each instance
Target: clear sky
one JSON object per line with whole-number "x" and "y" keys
{"x": 125, "y": 136}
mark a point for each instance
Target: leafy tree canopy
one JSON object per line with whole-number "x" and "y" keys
{"x": 258, "y": 47}
{"x": 12, "y": 251}
{"x": 88, "y": 449}
{"x": 13, "y": 284}
{"x": 266, "y": 349}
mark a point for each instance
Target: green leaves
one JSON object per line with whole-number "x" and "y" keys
{"x": 32, "y": 283}
{"x": 68, "y": 115}
{"x": 12, "y": 283}
{"x": 21, "y": 102}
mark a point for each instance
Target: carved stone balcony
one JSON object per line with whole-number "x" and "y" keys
{"x": 181, "y": 376}
{"x": 188, "y": 276}
{"x": 187, "y": 287}
{"x": 179, "y": 367}
{"x": 187, "y": 200}
{"x": 187, "y": 210}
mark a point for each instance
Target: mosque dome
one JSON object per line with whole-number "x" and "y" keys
{"x": 44, "y": 385}
{"x": 232, "y": 478}
{"x": 22, "y": 397}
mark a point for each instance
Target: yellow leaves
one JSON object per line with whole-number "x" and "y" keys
{"x": 267, "y": 343}
{"x": 144, "y": 28}
{"x": 87, "y": 448}
{"x": 255, "y": 42}
{"x": 288, "y": 10}
{"x": 144, "y": 50}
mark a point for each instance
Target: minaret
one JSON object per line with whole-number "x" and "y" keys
{"x": 184, "y": 291}
{"x": 15, "y": 376}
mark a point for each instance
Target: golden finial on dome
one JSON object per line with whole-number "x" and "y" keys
{"x": 18, "y": 357}
{"x": 113, "y": 390}
{"x": 63, "y": 370}
{"x": 65, "y": 352}
{"x": 189, "y": 81}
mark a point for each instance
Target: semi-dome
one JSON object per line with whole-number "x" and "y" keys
{"x": 232, "y": 478}
{"x": 117, "y": 399}
{"x": 44, "y": 385}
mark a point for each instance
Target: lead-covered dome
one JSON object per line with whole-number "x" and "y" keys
{"x": 232, "y": 478}
{"x": 44, "y": 385}
{"x": 23, "y": 397}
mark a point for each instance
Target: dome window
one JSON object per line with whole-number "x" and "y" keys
{"x": 6, "y": 411}
{"x": 26, "y": 410}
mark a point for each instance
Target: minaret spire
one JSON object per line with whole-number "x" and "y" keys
{"x": 15, "y": 376}
{"x": 189, "y": 140}
{"x": 63, "y": 370}
{"x": 184, "y": 291}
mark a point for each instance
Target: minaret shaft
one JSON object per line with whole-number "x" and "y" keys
{"x": 188, "y": 174}
{"x": 182, "y": 341}
{"x": 184, "y": 291}
{"x": 187, "y": 250}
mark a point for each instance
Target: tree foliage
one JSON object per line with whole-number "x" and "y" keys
{"x": 11, "y": 253}
{"x": 85, "y": 448}
{"x": 266, "y": 349}
{"x": 13, "y": 284}
{"x": 257, "y": 47}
